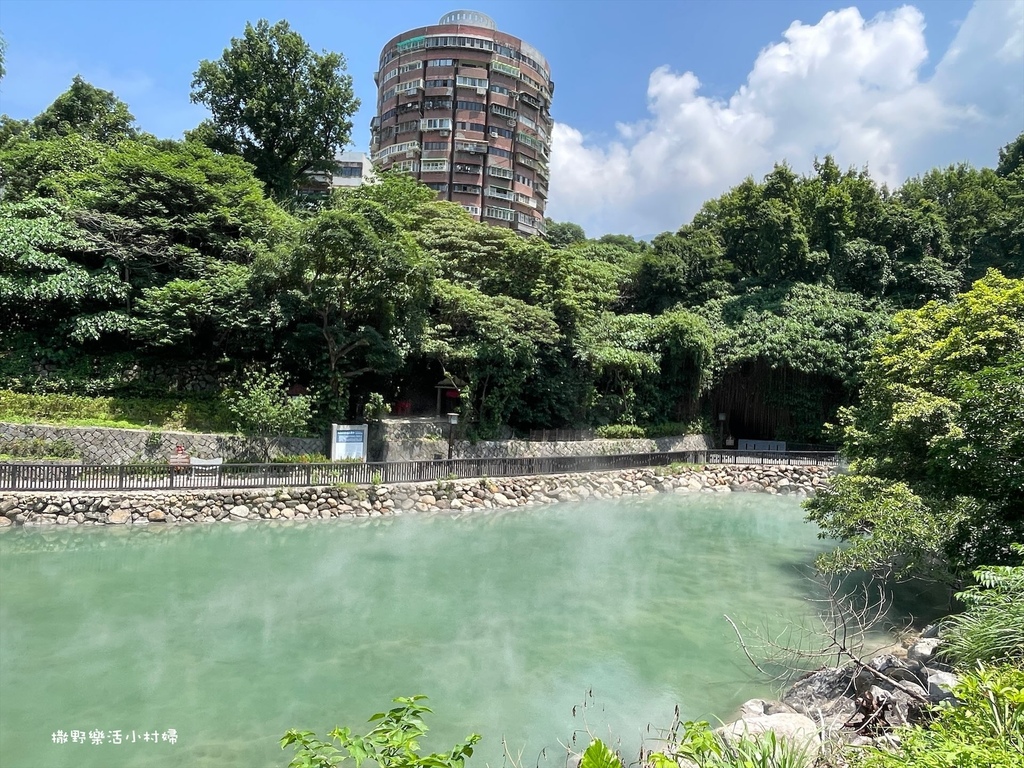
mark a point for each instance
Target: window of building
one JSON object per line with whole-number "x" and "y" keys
{"x": 437, "y": 104}
{"x": 434, "y": 166}
{"x": 527, "y": 79}
{"x": 459, "y": 41}
{"x": 438, "y": 186}
{"x": 530, "y": 99}
{"x": 471, "y": 82}
{"x": 504, "y": 111}
{"x": 498, "y": 152}
{"x": 467, "y": 168}
{"x": 394, "y": 149}
{"x": 501, "y": 173}
{"x": 412, "y": 85}
{"x": 527, "y": 122}
{"x": 500, "y": 89}
{"x": 524, "y": 180}
{"x": 464, "y": 126}
{"x": 389, "y": 75}
{"x": 410, "y": 67}
{"x": 405, "y": 166}
{"x": 470, "y": 106}
{"x": 442, "y": 83}
{"x": 409, "y": 106}
{"x": 389, "y": 114}
{"x": 411, "y": 125}
{"x": 505, "y": 214}
{"x": 441, "y": 63}
{"x": 436, "y": 124}
{"x": 498, "y": 192}
{"x": 468, "y": 189}
{"x": 508, "y": 69}
{"x": 530, "y": 141}
{"x": 350, "y": 170}
{"x": 474, "y": 209}
{"x": 504, "y": 133}
{"x": 434, "y": 145}
{"x": 412, "y": 44}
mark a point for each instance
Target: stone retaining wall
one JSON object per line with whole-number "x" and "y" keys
{"x": 143, "y": 508}
{"x": 103, "y": 445}
{"x": 429, "y": 448}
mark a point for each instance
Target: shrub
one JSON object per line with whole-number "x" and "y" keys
{"x": 261, "y": 407}
{"x": 667, "y": 429}
{"x": 301, "y": 458}
{"x": 620, "y": 432}
{"x": 38, "y": 448}
{"x": 985, "y": 728}
{"x": 991, "y": 628}
{"x": 192, "y": 414}
{"x": 391, "y": 743}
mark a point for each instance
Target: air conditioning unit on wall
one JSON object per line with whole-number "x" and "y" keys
{"x": 443, "y": 133}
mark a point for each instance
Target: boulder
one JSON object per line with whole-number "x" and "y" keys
{"x": 119, "y": 516}
{"x": 799, "y": 731}
{"x": 924, "y": 649}
{"x": 828, "y": 691}
{"x": 940, "y": 685}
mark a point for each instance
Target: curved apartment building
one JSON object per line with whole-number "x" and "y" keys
{"x": 465, "y": 108}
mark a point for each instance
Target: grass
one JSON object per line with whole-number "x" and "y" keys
{"x": 171, "y": 414}
{"x": 676, "y": 467}
{"x": 991, "y": 629}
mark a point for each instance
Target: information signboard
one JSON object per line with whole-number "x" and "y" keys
{"x": 348, "y": 441}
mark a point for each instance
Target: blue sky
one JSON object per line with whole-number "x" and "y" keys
{"x": 659, "y": 104}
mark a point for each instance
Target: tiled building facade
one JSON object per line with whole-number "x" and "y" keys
{"x": 465, "y": 108}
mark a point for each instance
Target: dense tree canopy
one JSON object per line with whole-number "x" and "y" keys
{"x": 122, "y": 255}
{"x": 86, "y": 111}
{"x": 937, "y": 442}
{"x": 283, "y": 107}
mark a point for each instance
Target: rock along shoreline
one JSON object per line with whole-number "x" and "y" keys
{"x": 90, "y": 508}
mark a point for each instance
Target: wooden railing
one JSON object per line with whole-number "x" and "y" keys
{"x": 154, "y": 477}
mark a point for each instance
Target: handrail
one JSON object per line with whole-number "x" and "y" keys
{"x": 156, "y": 477}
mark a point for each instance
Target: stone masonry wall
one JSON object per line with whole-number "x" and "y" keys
{"x": 102, "y": 445}
{"x": 195, "y": 506}
{"x": 423, "y": 449}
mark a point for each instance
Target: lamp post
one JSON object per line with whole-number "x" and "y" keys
{"x": 453, "y": 419}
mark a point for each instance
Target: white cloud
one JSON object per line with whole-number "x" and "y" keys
{"x": 846, "y": 86}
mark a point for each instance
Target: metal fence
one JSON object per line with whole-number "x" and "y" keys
{"x": 154, "y": 477}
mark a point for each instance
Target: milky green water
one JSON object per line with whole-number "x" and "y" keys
{"x": 231, "y": 634}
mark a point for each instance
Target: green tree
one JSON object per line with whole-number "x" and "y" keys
{"x": 493, "y": 343}
{"x": 1011, "y": 157}
{"x": 688, "y": 268}
{"x": 937, "y": 480}
{"x": 88, "y": 111}
{"x": 283, "y": 107}
{"x": 354, "y": 291}
{"x": 261, "y": 406}
{"x": 562, "y": 233}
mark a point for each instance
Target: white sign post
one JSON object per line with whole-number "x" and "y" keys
{"x": 348, "y": 441}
